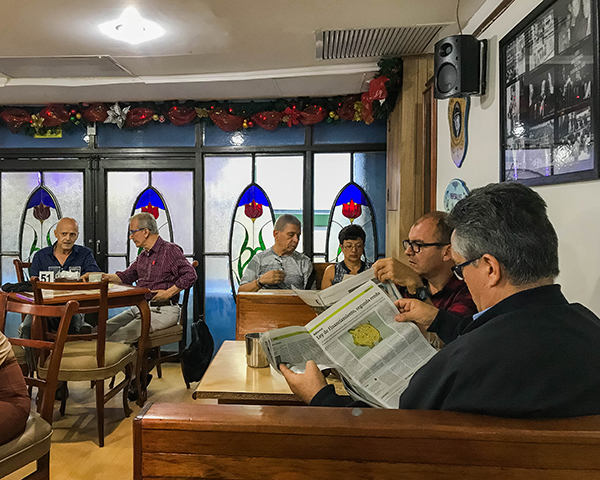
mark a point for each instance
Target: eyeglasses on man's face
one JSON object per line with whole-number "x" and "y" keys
{"x": 458, "y": 269}
{"x": 417, "y": 246}
{"x": 131, "y": 232}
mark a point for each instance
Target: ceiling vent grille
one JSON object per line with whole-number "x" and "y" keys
{"x": 374, "y": 42}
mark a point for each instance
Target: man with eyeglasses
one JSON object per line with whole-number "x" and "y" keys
{"x": 160, "y": 267}
{"x": 528, "y": 352}
{"x": 444, "y": 300}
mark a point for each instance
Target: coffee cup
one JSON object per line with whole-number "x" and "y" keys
{"x": 255, "y": 355}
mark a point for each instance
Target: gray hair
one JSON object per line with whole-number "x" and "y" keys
{"x": 146, "y": 220}
{"x": 284, "y": 220}
{"x": 508, "y": 221}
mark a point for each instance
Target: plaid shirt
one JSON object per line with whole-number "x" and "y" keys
{"x": 455, "y": 304}
{"x": 160, "y": 268}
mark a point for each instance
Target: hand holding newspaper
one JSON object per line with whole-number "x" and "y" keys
{"x": 358, "y": 336}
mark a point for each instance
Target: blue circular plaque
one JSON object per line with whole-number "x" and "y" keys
{"x": 456, "y": 191}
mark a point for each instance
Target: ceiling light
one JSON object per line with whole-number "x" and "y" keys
{"x": 130, "y": 27}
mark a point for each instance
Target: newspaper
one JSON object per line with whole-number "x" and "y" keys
{"x": 333, "y": 294}
{"x": 375, "y": 355}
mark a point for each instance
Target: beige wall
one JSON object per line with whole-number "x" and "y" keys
{"x": 574, "y": 208}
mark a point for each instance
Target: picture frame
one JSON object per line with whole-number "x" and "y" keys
{"x": 550, "y": 95}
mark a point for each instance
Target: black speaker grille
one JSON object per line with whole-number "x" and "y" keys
{"x": 447, "y": 78}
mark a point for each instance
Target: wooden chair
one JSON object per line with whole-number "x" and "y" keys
{"x": 166, "y": 336}
{"x": 34, "y": 443}
{"x": 319, "y": 269}
{"x": 91, "y": 357}
{"x": 20, "y": 269}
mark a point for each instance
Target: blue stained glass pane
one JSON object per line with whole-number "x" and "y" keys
{"x": 351, "y": 192}
{"x": 150, "y": 197}
{"x": 41, "y": 196}
{"x": 254, "y": 137}
{"x": 219, "y": 302}
{"x": 253, "y": 193}
{"x": 350, "y": 132}
{"x": 74, "y": 137}
{"x": 153, "y": 134}
{"x": 370, "y": 174}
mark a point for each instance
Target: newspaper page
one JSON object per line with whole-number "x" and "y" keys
{"x": 327, "y": 297}
{"x": 371, "y": 349}
{"x": 358, "y": 336}
{"x": 293, "y": 346}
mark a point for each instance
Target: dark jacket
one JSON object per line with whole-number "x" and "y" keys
{"x": 531, "y": 355}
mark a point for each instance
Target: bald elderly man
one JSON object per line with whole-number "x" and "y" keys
{"x": 64, "y": 253}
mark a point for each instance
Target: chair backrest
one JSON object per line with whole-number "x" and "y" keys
{"x": 79, "y": 288}
{"x": 319, "y": 269}
{"x": 47, "y": 386}
{"x": 183, "y": 314}
{"x": 20, "y": 269}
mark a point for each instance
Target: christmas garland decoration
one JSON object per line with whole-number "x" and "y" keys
{"x": 377, "y": 103}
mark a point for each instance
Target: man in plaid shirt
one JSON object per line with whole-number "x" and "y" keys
{"x": 160, "y": 267}
{"x": 428, "y": 280}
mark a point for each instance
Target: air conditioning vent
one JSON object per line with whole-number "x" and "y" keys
{"x": 374, "y": 42}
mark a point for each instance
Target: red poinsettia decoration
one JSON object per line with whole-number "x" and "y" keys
{"x": 41, "y": 212}
{"x": 253, "y": 210}
{"x": 351, "y": 210}
{"x": 151, "y": 210}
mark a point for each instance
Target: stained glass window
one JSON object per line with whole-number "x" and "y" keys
{"x": 352, "y": 206}
{"x": 251, "y": 230}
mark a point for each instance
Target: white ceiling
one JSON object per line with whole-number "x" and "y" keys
{"x": 212, "y": 49}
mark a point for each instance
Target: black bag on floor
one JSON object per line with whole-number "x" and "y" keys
{"x": 18, "y": 287}
{"x": 196, "y": 357}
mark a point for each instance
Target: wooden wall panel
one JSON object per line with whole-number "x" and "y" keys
{"x": 406, "y": 155}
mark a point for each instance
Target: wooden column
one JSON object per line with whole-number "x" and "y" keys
{"x": 406, "y": 155}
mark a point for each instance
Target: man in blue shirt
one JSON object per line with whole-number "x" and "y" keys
{"x": 64, "y": 253}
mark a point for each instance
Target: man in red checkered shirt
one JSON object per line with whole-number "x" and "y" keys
{"x": 160, "y": 267}
{"x": 428, "y": 278}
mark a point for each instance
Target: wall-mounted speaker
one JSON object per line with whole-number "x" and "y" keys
{"x": 460, "y": 66}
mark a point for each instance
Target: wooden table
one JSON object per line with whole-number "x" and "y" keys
{"x": 268, "y": 309}
{"x": 118, "y": 296}
{"x": 229, "y": 380}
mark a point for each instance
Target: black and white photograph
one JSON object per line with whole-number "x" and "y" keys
{"x": 525, "y": 164}
{"x": 549, "y": 108}
{"x": 541, "y": 47}
{"x": 576, "y": 77}
{"x": 541, "y": 96}
{"x": 575, "y": 147}
{"x": 576, "y": 24}
{"x": 514, "y": 125}
{"x": 540, "y": 136}
{"x": 515, "y": 59}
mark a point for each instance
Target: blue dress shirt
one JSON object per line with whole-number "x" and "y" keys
{"x": 80, "y": 257}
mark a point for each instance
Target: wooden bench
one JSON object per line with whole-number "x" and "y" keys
{"x": 294, "y": 443}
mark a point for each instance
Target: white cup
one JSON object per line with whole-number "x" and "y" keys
{"x": 95, "y": 277}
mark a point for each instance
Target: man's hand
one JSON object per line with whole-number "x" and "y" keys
{"x": 161, "y": 296}
{"x": 397, "y": 272}
{"x": 112, "y": 278}
{"x": 413, "y": 310}
{"x": 272, "y": 277}
{"x": 305, "y": 386}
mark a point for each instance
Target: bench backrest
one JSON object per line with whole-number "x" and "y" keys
{"x": 259, "y": 442}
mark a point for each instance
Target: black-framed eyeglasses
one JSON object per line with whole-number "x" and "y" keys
{"x": 458, "y": 269}
{"x": 131, "y": 232}
{"x": 416, "y": 246}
